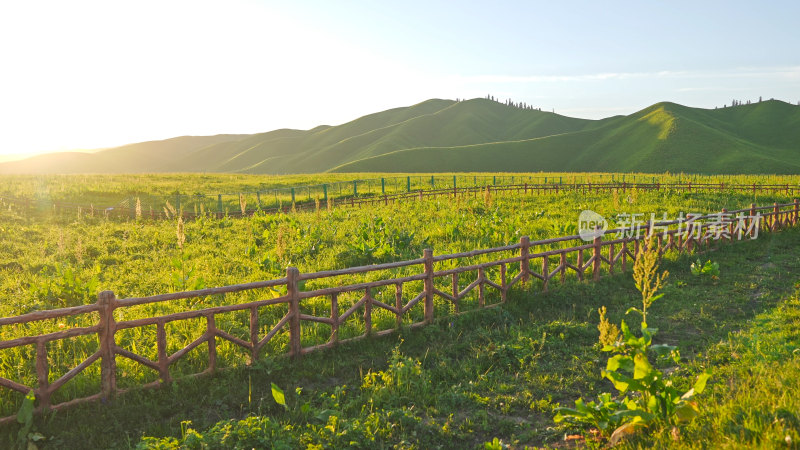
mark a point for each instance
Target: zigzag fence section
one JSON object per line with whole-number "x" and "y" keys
{"x": 438, "y": 287}
{"x": 247, "y": 206}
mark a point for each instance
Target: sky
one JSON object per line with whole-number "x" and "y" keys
{"x": 94, "y": 74}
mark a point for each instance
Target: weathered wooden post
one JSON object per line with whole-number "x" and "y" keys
{"x": 597, "y": 257}
{"x": 42, "y": 374}
{"x": 796, "y": 212}
{"x": 454, "y": 285}
{"x": 253, "y": 334}
{"x": 398, "y": 303}
{"x": 753, "y": 218}
{"x": 427, "y": 254}
{"x": 211, "y": 335}
{"x": 108, "y": 363}
{"x": 334, "y": 317}
{"x": 293, "y": 292}
{"x": 728, "y": 226}
{"x": 368, "y": 312}
{"x": 524, "y": 252}
{"x": 545, "y": 272}
{"x": 776, "y": 216}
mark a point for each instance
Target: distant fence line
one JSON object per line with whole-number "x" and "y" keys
{"x": 534, "y": 264}
{"x": 246, "y": 206}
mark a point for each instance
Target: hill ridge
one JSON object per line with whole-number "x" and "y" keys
{"x": 474, "y": 135}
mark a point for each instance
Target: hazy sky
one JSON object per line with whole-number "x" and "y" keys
{"x": 79, "y": 74}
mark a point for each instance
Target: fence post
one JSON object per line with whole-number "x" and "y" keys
{"x": 427, "y": 254}
{"x": 355, "y": 188}
{"x": 776, "y": 217}
{"x": 525, "y": 264}
{"x": 597, "y": 257}
{"x": 325, "y": 193}
{"x": 796, "y": 212}
{"x": 454, "y": 183}
{"x": 408, "y": 184}
{"x": 293, "y": 196}
{"x": 219, "y": 205}
{"x": 108, "y": 364}
{"x": 433, "y": 183}
{"x": 293, "y": 291}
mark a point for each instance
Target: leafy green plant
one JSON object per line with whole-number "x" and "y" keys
{"x": 277, "y": 394}
{"x": 26, "y": 439}
{"x": 66, "y": 287}
{"x": 708, "y": 270}
{"x": 403, "y": 381}
{"x": 602, "y": 414}
{"x": 646, "y": 396}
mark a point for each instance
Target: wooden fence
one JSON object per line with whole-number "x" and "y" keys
{"x": 373, "y": 200}
{"x": 531, "y": 263}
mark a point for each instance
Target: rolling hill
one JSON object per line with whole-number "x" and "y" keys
{"x": 476, "y": 135}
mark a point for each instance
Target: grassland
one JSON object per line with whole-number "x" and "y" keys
{"x": 476, "y": 135}
{"x": 196, "y": 193}
{"x": 492, "y": 374}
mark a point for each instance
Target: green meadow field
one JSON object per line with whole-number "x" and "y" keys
{"x": 491, "y": 375}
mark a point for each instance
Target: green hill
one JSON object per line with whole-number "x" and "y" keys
{"x": 757, "y": 138}
{"x": 476, "y": 135}
{"x": 152, "y": 156}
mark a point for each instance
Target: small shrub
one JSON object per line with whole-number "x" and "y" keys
{"x": 707, "y": 270}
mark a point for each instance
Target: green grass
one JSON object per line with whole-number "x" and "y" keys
{"x": 492, "y": 374}
{"x": 476, "y": 135}
{"x": 497, "y": 373}
{"x": 195, "y": 193}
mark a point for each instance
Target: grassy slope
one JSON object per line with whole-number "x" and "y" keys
{"x": 152, "y": 156}
{"x": 756, "y": 138}
{"x": 477, "y": 135}
{"x": 431, "y": 123}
